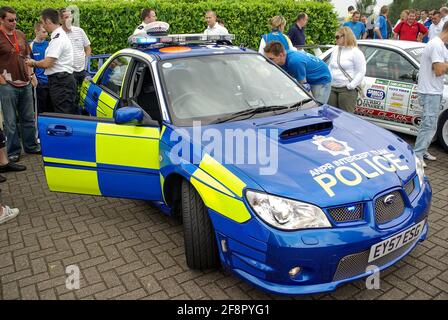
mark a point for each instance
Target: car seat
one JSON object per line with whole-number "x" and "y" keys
{"x": 146, "y": 95}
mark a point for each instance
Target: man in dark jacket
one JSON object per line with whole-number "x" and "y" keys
{"x": 297, "y": 31}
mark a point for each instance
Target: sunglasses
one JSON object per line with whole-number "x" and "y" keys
{"x": 11, "y": 20}
{"x": 339, "y": 36}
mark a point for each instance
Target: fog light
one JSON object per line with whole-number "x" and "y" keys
{"x": 294, "y": 271}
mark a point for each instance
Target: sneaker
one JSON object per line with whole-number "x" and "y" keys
{"x": 11, "y": 166}
{"x": 8, "y": 213}
{"x": 428, "y": 156}
{"x": 424, "y": 163}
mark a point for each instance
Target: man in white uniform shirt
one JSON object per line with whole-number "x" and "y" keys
{"x": 58, "y": 64}
{"x": 436, "y": 26}
{"x": 213, "y": 27}
{"x": 148, "y": 16}
{"x": 443, "y": 15}
{"x": 433, "y": 67}
{"x": 81, "y": 48}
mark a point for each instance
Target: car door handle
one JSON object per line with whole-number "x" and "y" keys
{"x": 95, "y": 95}
{"x": 59, "y": 130}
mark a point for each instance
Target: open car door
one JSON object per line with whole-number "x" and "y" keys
{"x": 91, "y": 155}
{"x": 100, "y": 95}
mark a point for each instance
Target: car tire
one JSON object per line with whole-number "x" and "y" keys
{"x": 199, "y": 236}
{"x": 442, "y": 131}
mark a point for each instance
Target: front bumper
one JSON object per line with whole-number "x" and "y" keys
{"x": 327, "y": 258}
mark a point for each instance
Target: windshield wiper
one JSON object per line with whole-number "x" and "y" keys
{"x": 300, "y": 104}
{"x": 296, "y": 106}
{"x": 249, "y": 112}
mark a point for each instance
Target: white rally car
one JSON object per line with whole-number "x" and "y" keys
{"x": 390, "y": 94}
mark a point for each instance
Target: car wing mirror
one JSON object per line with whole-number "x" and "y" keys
{"x": 407, "y": 76}
{"x": 133, "y": 116}
{"x": 415, "y": 76}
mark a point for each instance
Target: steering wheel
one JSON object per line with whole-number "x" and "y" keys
{"x": 183, "y": 96}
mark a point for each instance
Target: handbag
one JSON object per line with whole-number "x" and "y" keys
{"x": 361, "y": 87}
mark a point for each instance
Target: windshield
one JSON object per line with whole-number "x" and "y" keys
{"x": 416, "y": 53}
{"x": 206, "y": 88}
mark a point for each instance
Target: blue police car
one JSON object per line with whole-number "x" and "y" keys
{"x": 292, "y": 196}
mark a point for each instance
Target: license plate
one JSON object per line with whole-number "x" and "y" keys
{"x": 396, "y": 242}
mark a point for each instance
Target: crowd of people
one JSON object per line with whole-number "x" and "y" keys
{"x": 413, "y": 25}
{"x": 47, "y": 74}
{"x": 341, "y": 82}
{"x": 42, "y": 73}
{"x": 56, "y": 68}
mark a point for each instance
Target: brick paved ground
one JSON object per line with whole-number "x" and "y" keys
{"x": 128, "y": 250}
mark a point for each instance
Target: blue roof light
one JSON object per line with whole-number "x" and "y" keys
{"x": 145, "y": 40}
{"x": 183, "y": 39}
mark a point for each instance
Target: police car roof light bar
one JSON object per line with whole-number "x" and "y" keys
{"x": 184, "y": 39}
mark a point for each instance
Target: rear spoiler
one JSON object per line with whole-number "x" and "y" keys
{"x": 94, "y": 63}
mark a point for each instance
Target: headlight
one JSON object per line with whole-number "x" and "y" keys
{"x": 420, "y": 170}
{"x": 286, "y": 214}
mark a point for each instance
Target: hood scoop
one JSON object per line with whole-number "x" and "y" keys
{"x": 307, "y": 129}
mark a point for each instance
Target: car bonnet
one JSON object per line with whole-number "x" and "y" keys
{"x": 320, "y": 155}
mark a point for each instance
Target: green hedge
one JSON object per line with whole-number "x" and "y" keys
{"x": 109, "y": 23}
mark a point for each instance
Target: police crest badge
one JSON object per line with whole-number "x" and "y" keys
{"x": 332, "y": 145}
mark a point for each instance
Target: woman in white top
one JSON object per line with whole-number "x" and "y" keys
{"x": 348, "y": 68}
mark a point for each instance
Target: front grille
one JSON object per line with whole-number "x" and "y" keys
{"x": 356, "y": 264}
{"x": 347, "y": 214}
{"x": 409, "y": 187}
{"x": 388, "y": 212}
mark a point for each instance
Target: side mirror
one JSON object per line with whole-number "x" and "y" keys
{"x": 410, "y": 76}
{"x": 133, "y": 116}
{"x": 128, "y": 115}
{"x": 415, "y": 76}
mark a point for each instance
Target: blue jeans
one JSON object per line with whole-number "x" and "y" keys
{"x": 428, "y": 127}
{"x": 321, "y": 92}
{"x": 18, "y": 103}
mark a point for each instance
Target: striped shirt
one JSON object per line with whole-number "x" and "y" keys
{"x": 79, "y": 41}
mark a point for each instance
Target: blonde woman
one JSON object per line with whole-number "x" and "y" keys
{"x": 277, "y": 25}
{"x": 403, "y": 17}
{"x": 348, "y": 68}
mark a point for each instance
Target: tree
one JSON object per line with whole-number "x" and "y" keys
{"x": 429, "y": 4}
{"x": 365, "y": 6}
{"x": 396, "y": 7}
